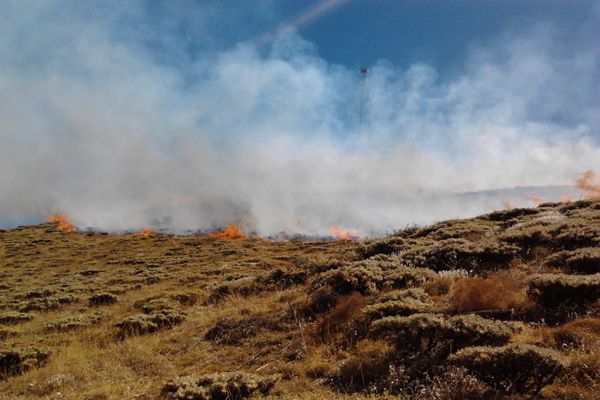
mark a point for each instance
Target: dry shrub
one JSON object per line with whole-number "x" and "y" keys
{"x": 147, "y": 323}
{"x": 456, "y": 383}
{"x": 582, "y": 334}
{"x": 347, "y": 310}
{"x": 16, "y": 360}
{"x": 439, "y": 286}
{"x": 368, "y": 365}
{"x": 14, "y": 317}
{"x": 233, "y": 331}
{"x": 500, "y": 291}
{"x": 101, "y": 299}
{"x": 514, "y": 368}
{"x": 218, "y": 386}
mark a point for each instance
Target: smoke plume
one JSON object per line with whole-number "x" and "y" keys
{"x": 100, "y": 126}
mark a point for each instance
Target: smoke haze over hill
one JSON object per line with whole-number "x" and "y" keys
{"x": 96, "y": 126}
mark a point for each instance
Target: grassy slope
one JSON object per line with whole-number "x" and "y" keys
{"x": 270, "y": 322}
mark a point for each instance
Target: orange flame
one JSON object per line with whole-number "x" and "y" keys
{"x": 565, "y": 198}
{"x": 146, "y": 233}
{"x": 535, "y": 200}
{"x": 62, "y": 222}
{"x": 589, "y": 183}
{"x": 343, "y": 234}
{"x": 230, "y": 231}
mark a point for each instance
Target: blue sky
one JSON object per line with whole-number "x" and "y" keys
{"x": 194, "y": 113}
{"x": 361, "y": 32}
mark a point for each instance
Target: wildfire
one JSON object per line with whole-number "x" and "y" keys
{"x": 146, "y": 233}
{"x": 62, "y": 222}
{"x": 535, "y": 200}
{"x": 230, "y": 231}
{"x": 589, "y": 183}
{"x": 343, "y": 234}
{"x": 565, "y": 198}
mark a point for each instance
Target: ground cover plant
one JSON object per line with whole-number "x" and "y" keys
{"x": 504, "y": 305}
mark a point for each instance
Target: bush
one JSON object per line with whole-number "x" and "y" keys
{"x": 551, "y": 290}
{"x": 400, "y": 308}
{"x": 440, "y": 335}
{"x": 13, "y": 317}
{"x": 232, "y": 332}
{"x": 16, "y": 360}
{"x": 502, "y": 291}
{"x": 585, "y": 260}
{"x": 218, "y": 386}
{"x": 404, "y": 294}
{"x": 341, "y": 318}
{"x": 368, "y": 364}
{"x": 383, "y": 246}
{"x": 147, "y": 323}
{"x": 370, "y": 276}
{"x": 453, "y": 254}
{"x": 514, "y": 368}
{"x": 102, "y": 299}
{"x": 73, "y": 322}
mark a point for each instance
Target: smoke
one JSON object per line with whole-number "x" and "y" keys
{"x": 96, "y": 123}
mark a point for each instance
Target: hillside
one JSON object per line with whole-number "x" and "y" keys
{"x": 504, "y": 305}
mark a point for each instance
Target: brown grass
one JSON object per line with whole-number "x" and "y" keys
{"x": 502, "y": 291}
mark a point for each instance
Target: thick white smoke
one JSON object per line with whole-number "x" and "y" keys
{"x": 99, "y": 128}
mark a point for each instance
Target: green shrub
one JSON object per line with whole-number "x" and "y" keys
{"x": 404, "y": 294}
{"x": 514, "y": 368}
{"x": 370, "y": 276}
{"x": 100, "y": 299}
{"x": 453, "y": 254}
{"x": 16, "y": 360}
{"x": 551, "y": 290}
{"x": 218, "y": 386}
{"x": 441, "y": 335}
{"x": 386, "y": 246}
{"x": 13, "y": 317}
{"x": 232, "y": 331}
{"x": 400, "y": 308}
{"x": 584, "y": 260}
{"x": 72, "y": 323}
{"x": 147, "y": 323}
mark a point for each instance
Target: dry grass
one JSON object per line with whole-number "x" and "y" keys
{"x": 500, "y": 291}
{"x": 290, "y": 309}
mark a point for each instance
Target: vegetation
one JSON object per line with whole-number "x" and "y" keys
{"x": 502, "y": 306}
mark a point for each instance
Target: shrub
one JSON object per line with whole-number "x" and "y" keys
{"x": 383, "y": 246}
{"x": 456, "y": 383}
{"x": 16, "y": 360}
{"x": 218, "y": 386}
{"x": 440, "y": 335}
{"x": 514, "y": 368}
{"x": 400, "y": 308}
{"x": 452, "y": 254}
{"x": 368, "y": 364}
{"x": 585, "y": 260}
{"x": 13, "y": 317}
{"x": 369, "y": 276}
{"x": 46, "y": 303}
{"x": 100, "y": 299}
{"x": 501, "y": 291}
{"x": 147, "y": 323}
{"x": 404, "y": 294}
{"x": 551, "y": 290}
{"x": 340, "y": 318}
{"x": 232, "y": 332}
{"x": 73, "y": 322}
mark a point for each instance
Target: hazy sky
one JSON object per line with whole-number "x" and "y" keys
{"x": 190, "y": 114}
